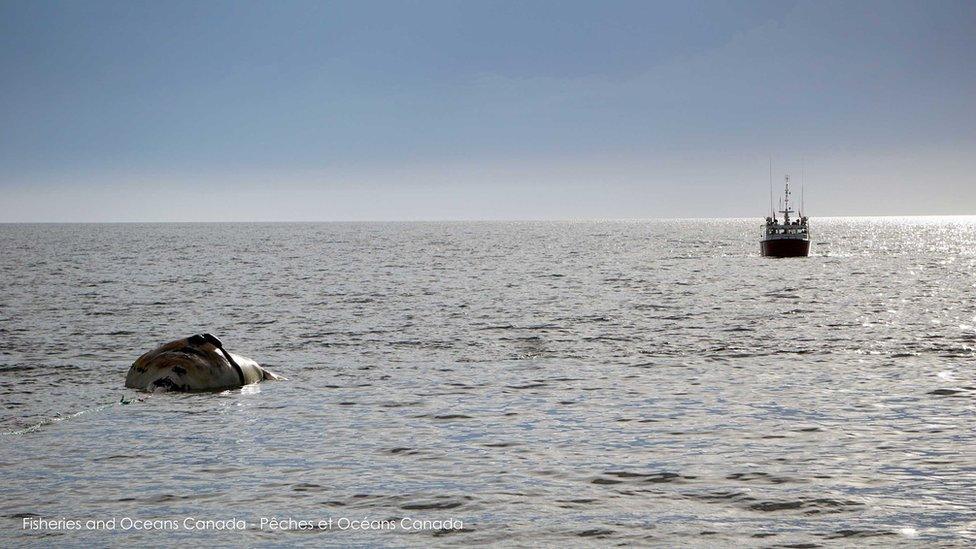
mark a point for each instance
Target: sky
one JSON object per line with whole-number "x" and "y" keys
{"x": 441, "y": 110}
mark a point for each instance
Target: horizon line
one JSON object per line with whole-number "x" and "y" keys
{"x": 467, "y": 220}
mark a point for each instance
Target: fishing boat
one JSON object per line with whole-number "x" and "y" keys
{"x": 789, "y": 237}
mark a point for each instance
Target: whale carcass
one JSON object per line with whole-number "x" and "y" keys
{"x": 195, "y": 363}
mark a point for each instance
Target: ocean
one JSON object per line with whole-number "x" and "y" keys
{"x": 517, "y": 383}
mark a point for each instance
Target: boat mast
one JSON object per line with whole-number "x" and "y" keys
{"x": 772, "y": 212}
{"x": 786, "y": 202}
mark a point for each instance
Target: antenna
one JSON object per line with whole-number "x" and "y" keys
{"x": 803, "y": 207}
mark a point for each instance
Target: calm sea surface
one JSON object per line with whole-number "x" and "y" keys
{"x": 592, "y": 383}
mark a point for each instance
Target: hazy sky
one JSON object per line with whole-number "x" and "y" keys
{"x": 288, "y": 110}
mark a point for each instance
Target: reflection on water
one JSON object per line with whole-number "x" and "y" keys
{"x": 596, "y": 383}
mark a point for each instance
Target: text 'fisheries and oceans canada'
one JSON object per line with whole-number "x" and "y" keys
{"x": 132, "y": 524}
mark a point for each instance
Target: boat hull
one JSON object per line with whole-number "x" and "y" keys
{"x": 785, "y": 247}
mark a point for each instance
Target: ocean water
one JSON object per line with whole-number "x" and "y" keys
{"x": 582, "y": 383}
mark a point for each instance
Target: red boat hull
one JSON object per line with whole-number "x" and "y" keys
{"x": 785, "y": 247}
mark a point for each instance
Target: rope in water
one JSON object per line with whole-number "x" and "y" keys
{"x": 50, "y": 421}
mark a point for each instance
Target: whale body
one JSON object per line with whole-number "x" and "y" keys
{"x": 195, "y": 363}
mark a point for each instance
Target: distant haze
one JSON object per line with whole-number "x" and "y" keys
{"x": 223, "y": 111}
